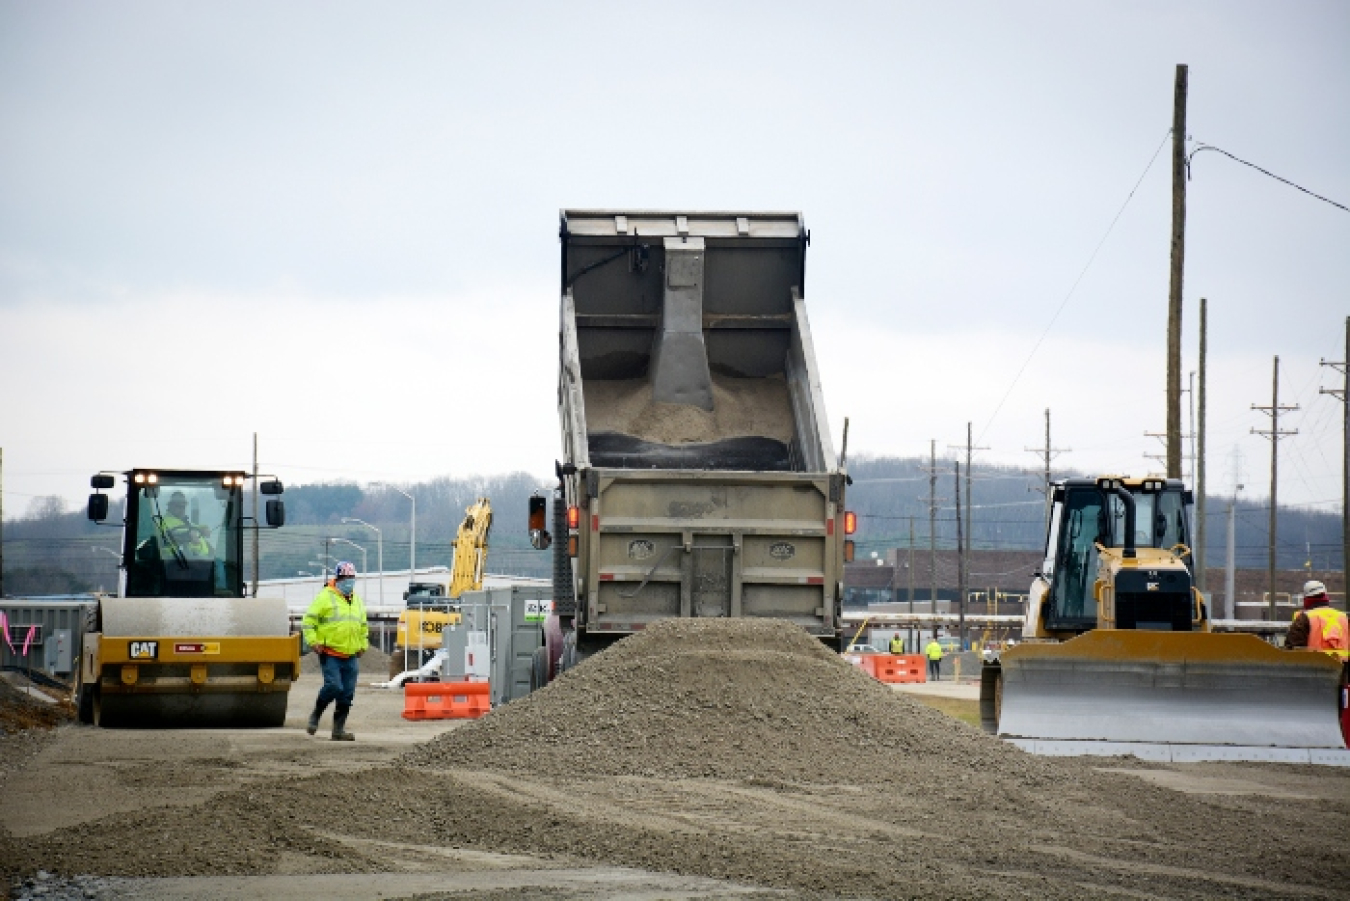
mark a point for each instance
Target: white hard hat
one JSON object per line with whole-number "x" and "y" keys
{"x": 1313, "y": 589}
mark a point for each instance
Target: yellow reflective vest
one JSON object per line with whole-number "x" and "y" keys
{"x": 336, "y": 622}
{"x": 934, "y": 651}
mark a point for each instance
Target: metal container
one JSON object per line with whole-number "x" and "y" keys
{"x": 43, "y": 634}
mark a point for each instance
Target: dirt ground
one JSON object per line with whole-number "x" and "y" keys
{"x": 685, "y": 762}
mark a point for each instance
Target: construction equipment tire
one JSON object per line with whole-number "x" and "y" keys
{"x": 539, "y": 669}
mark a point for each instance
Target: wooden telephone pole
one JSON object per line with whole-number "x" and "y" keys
{"x": 1343, "y": 366}
{"x": 1274, "y": 435}
{"x": 1178, "y": 261}
{"x": 1201, "y": 502}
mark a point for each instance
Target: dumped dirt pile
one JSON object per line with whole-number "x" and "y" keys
{"x": 732, "y": 750}
{"x": 719, "y": 698}
{"x": 18, "y": 711}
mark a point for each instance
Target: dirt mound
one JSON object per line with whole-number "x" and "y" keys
{"x": 727, "y": 699}
{"x": 19, "y": 711}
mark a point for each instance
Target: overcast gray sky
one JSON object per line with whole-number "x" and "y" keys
{"x": 335, "y": 224}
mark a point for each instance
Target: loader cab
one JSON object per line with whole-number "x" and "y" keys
{"x": 1083, "y": 515}
{"x": 183, "y": 531}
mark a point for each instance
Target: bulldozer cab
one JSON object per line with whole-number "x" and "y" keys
{"x": 183, "y": 532}
{"x": 1084, "y": 516}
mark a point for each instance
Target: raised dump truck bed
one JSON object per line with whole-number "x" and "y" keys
{"x": 697, "y": 460}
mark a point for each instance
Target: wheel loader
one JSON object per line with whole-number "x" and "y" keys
{"x": 181, "y": 645}
{"x": 1118, "y": 655}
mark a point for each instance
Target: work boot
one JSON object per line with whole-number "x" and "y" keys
{"x": 340, "y": 732}
{"x": 313, "y": 725}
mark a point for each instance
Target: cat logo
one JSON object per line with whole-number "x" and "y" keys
{"x": 1151, "y": 586}
{"x": 143, "y": 650}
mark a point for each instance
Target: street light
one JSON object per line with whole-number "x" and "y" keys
{"x": 359, "y": 548}
{"x": 379, "y": 549}
{"x": 412, "y": 543}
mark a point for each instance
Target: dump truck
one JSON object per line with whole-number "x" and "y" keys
{"x": 697, "y": 476}
{"x": 430, "y": 606}
{"x": 181, "y": 644}
{"x": 1118, "y": 654}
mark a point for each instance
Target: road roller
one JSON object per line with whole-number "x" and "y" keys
{"x": 1119, "y": 656}
{"x": 181, "y": 645}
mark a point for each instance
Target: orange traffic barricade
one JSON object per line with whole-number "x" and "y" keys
{"x": 897, "y": 668}
{"x": 445, "y": 700}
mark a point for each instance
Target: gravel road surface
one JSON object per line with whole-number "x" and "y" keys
{"x": 698, "y": 759}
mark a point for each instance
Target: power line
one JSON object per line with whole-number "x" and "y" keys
{"x": 1200, "y": 147}
{"x": 1074, "y": 287}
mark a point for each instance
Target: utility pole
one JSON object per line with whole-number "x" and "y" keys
{"x": 1048, "y": 451}
{"x": 1201, "y": 550}
{"x": 964, "y": 575}
{"x": 932, "y": 532}
{"x": 1343, "y": 367}
{"x": 960, "y": 568}
{"x": 1274, "y": 435}
{"x": 1178, "y": 267}
{"x": 256, "y": 530}
{"x": 912, "y": 645}
{"x": 1230, "y": 571}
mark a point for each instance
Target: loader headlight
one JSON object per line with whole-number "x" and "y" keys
{"x": 146, "y": 478}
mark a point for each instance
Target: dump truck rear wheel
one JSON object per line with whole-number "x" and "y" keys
{"x": 539, "y": 669}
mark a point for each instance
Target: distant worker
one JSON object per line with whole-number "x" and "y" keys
{"x": 335, "y": 628}
{"x": 934, "y": 652}
{"x": 1319, "y": 626}
{"x": 897, "y": 644}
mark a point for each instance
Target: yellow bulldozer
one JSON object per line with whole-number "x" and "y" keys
{"x": 181, "y": 645}
{"x": 430, "y": 606}
{"x": 1118, "y": 655}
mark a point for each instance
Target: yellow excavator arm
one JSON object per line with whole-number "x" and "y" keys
{"x": 471, "y": 545}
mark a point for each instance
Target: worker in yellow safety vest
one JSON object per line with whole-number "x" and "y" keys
{"x": 335, "y": 628}
{"x": 897, "y": 644}
{"x": 934, "y": 652}
{"x": 1319, "y": 626}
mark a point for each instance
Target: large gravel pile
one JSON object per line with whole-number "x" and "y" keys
{"x": 720, "y": 698}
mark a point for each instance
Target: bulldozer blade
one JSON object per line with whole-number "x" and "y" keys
{"x": 1170, "y": 688}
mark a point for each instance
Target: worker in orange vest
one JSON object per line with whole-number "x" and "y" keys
{"x": 1319, "y": 626}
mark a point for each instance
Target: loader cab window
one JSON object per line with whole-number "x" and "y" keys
{"x": 1159, "y": 520}
{"x": 183, "y": 538}
{"x": 1081, "y": 522}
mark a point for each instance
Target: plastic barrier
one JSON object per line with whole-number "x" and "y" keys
{"x": 897, "y": 668}
{"x": 445, "y": 700}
